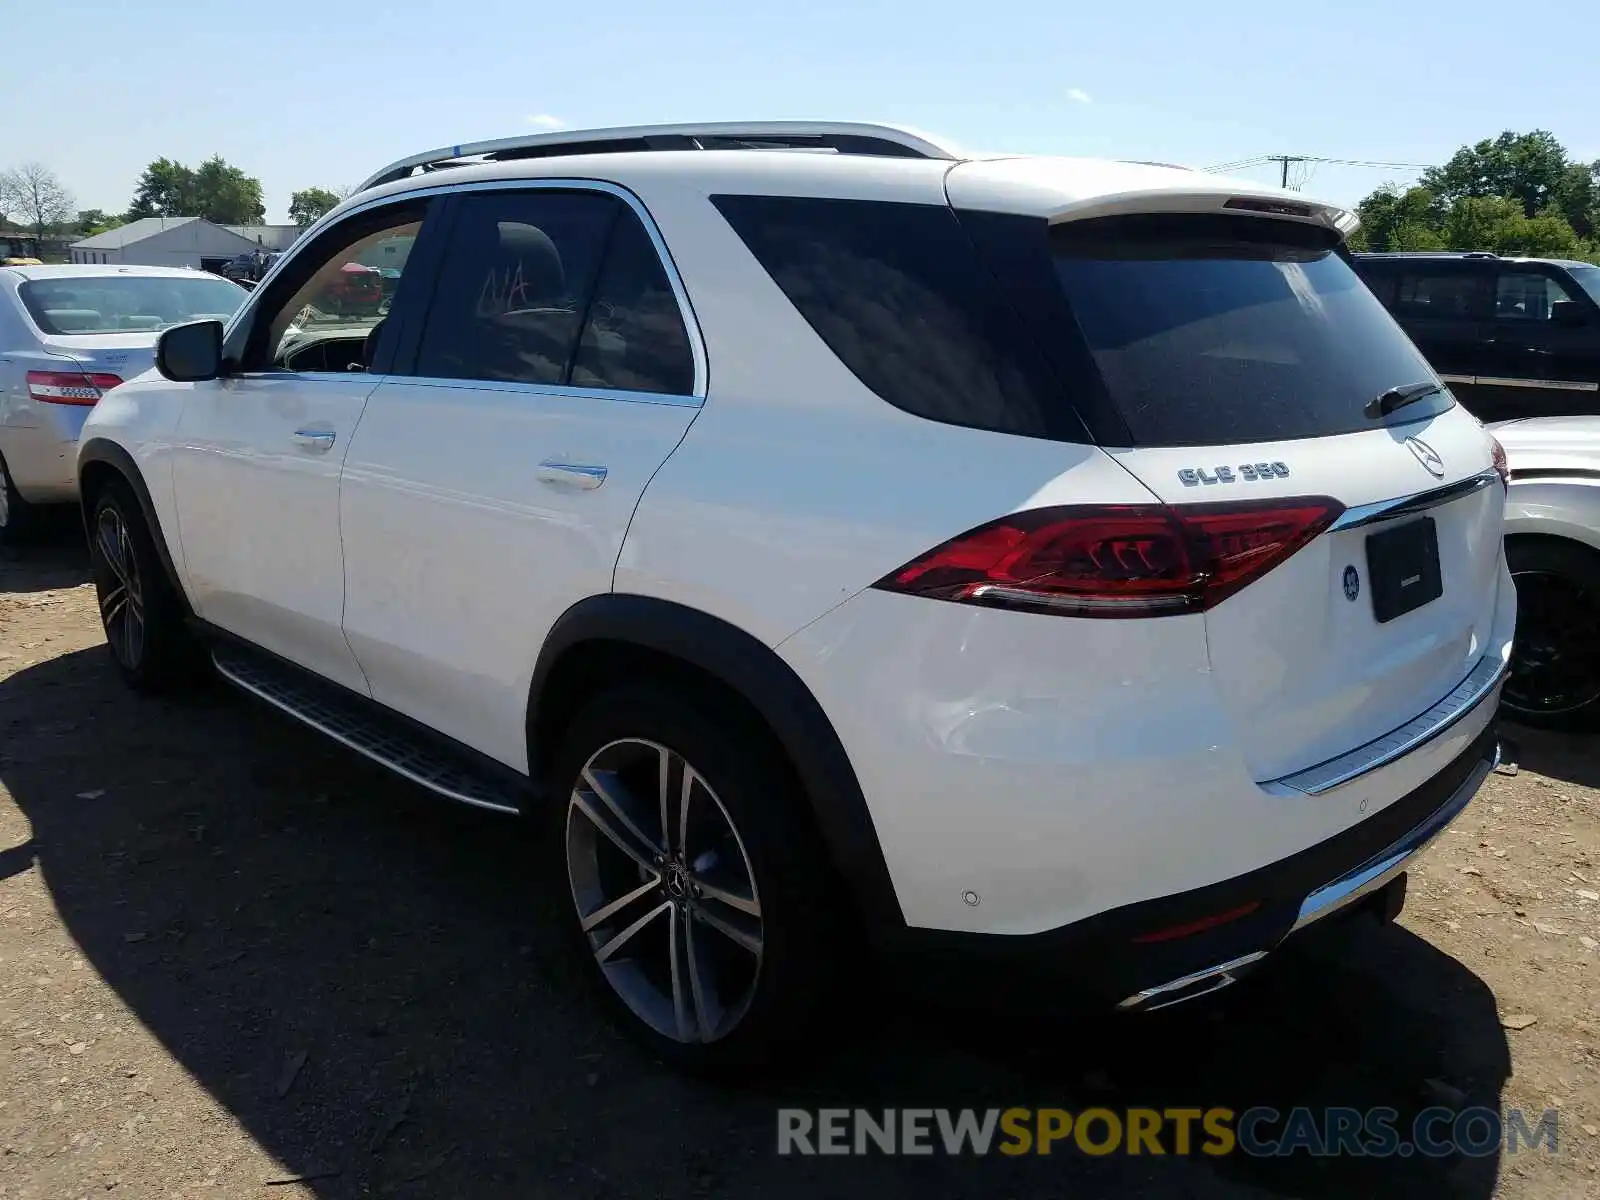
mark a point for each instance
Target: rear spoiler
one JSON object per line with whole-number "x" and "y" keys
{"x": 1167, "y": 200}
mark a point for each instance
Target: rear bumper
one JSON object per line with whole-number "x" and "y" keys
{"x": 43, "y": 457}
{"x": 1131, "y": 958}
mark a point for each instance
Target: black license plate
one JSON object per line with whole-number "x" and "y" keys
{"x": 1403, "y": 568}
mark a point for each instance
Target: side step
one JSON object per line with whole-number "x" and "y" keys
{"x": 365, "y": 727}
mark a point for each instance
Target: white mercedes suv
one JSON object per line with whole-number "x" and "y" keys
{"x": 1027, "y": 569}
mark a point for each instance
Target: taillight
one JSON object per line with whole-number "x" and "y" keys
{"x": 1116, "y": 560}
{"x": 1497, "y": 453}
{"x": 69, "y": 387}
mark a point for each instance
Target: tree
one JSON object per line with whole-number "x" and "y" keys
{"x": 34, "y": 196}
{"x": 94, "y": 220}
{"x": 1482, "y": 222}
{"x": 1396, "y": 220}
{"x": 1577, "y": 197}
{"x": 1524, "y": 166}
{"x": 215, "y": 190}
{"x": 306, "y": 206}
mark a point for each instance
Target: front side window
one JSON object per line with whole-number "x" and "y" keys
{"x": 1588, "y": 278}
{"x": 1527, "y": 296}
{"x": 110, "y": 304}
{"x": 326, "y": 311}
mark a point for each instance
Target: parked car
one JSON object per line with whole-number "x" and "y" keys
{"x": 250, "y": 268}
{"x": 67, "y": 334}
{"x": 1553, "y": 547}
{"x": 1026, "y": 568}
{"x": 1513, "y": 337}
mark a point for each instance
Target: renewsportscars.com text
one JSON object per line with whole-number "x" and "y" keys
{"x": 1258, "y": 1132}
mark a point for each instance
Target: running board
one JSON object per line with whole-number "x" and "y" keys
{"x": 387, "y": 739}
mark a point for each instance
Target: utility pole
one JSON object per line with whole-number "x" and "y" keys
{"x": 1285, "y": 160}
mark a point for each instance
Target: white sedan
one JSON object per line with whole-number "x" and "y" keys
{"x": 68, "y": 334}
{"x": 1553, "y": 548}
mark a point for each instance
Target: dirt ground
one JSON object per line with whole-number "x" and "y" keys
{"x": 237, "y": 961}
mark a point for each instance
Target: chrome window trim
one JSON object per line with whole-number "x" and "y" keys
{"x": 1416, "y": 502}
{"x": 670, "y": 399}
{"x": 686, "y": 313}
{"x": 1480, "y": 685}
{"x": 1555, "y": 385}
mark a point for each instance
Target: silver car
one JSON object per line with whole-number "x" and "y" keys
{"x": 68, "y": 334}
{"x": 1553, "y": 548}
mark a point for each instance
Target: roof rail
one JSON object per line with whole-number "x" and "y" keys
{"x": 843, "y": 137}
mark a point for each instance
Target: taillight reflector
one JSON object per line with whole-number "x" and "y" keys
{"x": 1497, "y": 454}
{"x": 69, "y": 387}
{"x": 1116, "y": 560}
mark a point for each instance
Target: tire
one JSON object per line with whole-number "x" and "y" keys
{"x": 142, "y": 614}
{"x": 17, "y": 516}
{"x": 1555, "y": 656}
{"x": 754, "y": 866}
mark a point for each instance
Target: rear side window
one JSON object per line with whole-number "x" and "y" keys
{"x": 898, "y": 295}
{"x": 517, "y": 274}
{"x": 1220, "y": 329}
{"x": 1441, "y": 293}
{"x": 634, "y": 339}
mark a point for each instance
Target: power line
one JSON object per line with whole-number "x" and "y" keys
{"x": 1284, "y": 160}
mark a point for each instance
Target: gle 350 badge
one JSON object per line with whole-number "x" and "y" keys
{"x": 1246, "y": 472}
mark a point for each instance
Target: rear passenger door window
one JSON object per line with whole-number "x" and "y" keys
{"x": 1443, "y": 292}
{"x": 634, "y": 339}
{"x": 516, "y": 278}
{"x": 556, "y": 288}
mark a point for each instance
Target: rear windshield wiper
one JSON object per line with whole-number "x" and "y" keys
{"x": 1398, "y": 397}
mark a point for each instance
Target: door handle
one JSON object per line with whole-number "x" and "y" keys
{"x": 318, "y": 441}
{"x": 565, "y": 474}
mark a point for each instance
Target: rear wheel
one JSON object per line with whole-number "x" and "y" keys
{"x": 1555, "y": 657}
{"x": 16, "y": 514}
{"x": 142, "y": 613}
{"x": 701, "y": 898}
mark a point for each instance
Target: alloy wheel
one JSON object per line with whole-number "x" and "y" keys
{"x": 121, "y": 591}
{"x": 665, "y": 893}
{"x": 1555, "y": 656}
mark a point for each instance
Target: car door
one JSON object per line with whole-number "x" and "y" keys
{"x": 1543, "y": 351}
{"x": 494, "y": 476}
{"x": 1443, "y": 305}
{"x": 258, "y": 452}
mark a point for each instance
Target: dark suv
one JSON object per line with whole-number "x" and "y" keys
{"x": 1513, "y": 337}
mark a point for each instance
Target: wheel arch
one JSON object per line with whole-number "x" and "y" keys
{"x": 595, "y": 634}
{"x": 101, "y": 460}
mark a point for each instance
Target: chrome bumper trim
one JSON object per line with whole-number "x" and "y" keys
{"x": 1478, "y": 687}
{"x": 1190, "y": 987}
{"x": 1382, "y": 868}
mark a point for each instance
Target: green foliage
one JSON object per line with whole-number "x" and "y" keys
{"x": 1514, "y": 194}
{"x": 306, "y": 206}
{"x": 91, "y": 221}
{"x": 215, "y": 190}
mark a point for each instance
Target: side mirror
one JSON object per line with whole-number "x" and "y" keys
{"x": 190, "y": 353}
{"x": 1568, "y": 314}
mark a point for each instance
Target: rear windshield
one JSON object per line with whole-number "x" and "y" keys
{"x": 1230, "y": 329}
{"x": 107, "y": 304}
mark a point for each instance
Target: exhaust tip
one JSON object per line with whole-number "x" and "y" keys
{"x": 1191, "y": 987}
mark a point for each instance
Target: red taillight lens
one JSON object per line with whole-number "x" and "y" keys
{"x": 69, "y": 387}
{"x": 1497, "y": 453}
{"x": 1116, "y": 560}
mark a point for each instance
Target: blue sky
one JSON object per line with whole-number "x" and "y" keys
{"x": 322, "y": 94}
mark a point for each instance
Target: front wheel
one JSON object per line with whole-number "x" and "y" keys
{"x": 142, "y": 613}
{"x": 1555, "y": 656}
{"x": 702, "y": 901}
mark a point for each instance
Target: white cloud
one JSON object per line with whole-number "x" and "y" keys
{"x": 546, "y": 121}
{"x": 1079, "y": 95}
